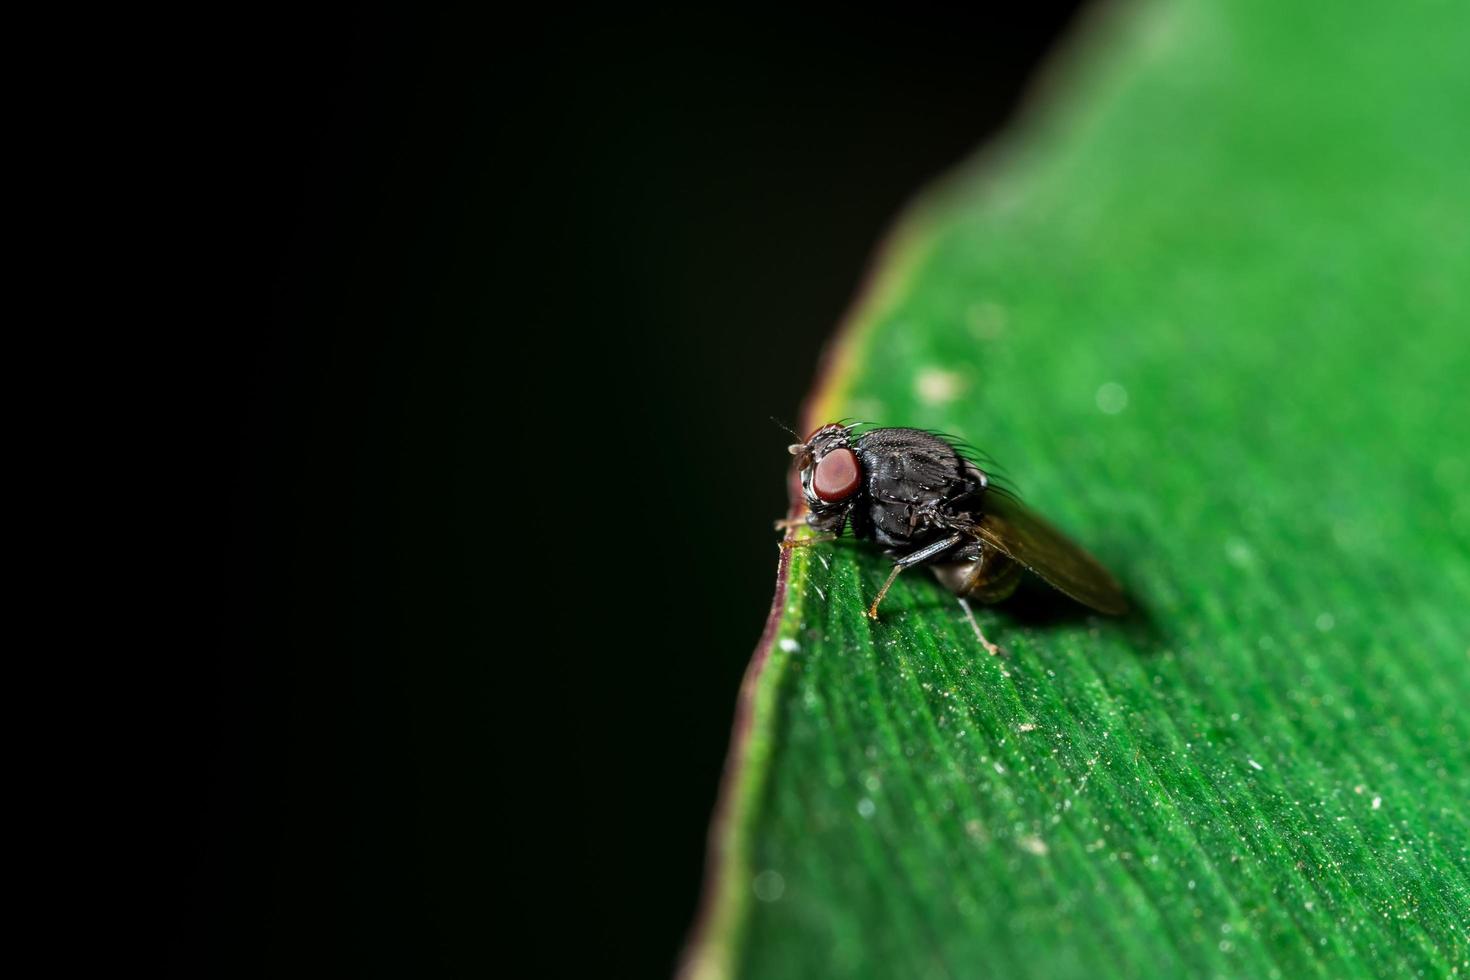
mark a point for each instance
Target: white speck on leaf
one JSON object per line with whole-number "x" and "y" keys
{"x": 865, "y": 808}
{"x": 1255, "y": 765}
{"x": 1112, "y": 398}
{"x": 789, "y": 645}
{"x": 1033, "y": 845}
{"x": 1239, "y": 552}
{"x": 936, "y": 386}
{"x": 769, "y": 886}
{"x": 1377, "y": 802}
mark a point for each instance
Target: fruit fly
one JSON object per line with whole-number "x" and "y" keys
{"x": 915, "y": 494}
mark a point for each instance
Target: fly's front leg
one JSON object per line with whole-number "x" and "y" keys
{"x": 790, "y": 524}
{"x": 788, "y": 543}
{"x": 913, "y": 558}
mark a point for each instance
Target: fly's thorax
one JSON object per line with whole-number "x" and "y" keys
{"x": 913, "y": 477}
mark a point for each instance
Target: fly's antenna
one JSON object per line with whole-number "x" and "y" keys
{"x": 786, "y": 428}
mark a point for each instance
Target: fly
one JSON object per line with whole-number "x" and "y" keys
{"x": 914, "y": 494}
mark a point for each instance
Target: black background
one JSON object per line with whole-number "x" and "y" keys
{"x": 498, "y": 314}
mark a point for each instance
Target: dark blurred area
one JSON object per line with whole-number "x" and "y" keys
{"x": 507, "y": 310}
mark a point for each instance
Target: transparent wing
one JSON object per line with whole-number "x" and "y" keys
{"x": 1021, "y": 533}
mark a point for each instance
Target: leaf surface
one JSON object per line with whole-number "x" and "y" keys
{"x": 1210, "y": 307}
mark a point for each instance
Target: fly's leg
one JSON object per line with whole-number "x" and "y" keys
{"x": 788, "y": 543}
{"x": 789, "y": 524}
{"x": 975, "y": 625}
{"x": 990, "y": 579}
{"x": 873, "y": 609}
{"x": 913, "y": 558}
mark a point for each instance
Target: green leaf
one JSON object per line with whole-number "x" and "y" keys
{"x": 1210, "y": 307}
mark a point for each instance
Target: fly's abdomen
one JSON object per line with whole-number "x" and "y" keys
{"x": 989, "y": 578}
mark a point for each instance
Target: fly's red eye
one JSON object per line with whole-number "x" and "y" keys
{"x": 838, "y": 475}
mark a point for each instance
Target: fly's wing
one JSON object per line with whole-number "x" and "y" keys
{"x": 1015, "y": 529}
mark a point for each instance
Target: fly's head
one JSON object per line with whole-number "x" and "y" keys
{"x": 831, "y": 475}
